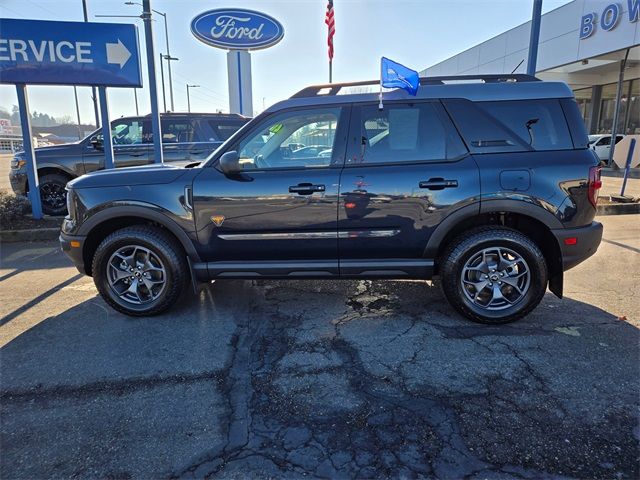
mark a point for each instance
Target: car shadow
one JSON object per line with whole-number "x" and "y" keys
{"x": 323, "y": 378}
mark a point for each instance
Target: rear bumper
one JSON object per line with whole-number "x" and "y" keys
{"x": 587, "y": 240}
{"x": 74, "y": 250}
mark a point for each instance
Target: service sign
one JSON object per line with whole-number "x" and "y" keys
{"x": 69, "y": 53}
{"x": 237, "y": 29}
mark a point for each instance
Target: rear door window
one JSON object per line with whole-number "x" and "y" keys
{"x": 178, "y": 131}
{"x": 223, "y": 130}
{"x": 406, "y": 132}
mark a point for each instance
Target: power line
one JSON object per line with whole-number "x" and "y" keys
{"x": 214, "y": 92}
{"x": 41, "y": 7}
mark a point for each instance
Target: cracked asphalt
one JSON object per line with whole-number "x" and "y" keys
{"x": 329, "y": 379}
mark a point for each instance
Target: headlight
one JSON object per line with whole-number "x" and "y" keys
{"x": 71, "y": 206}
{"x": 18, "y": 162}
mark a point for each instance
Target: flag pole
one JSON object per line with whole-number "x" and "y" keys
{"x": 330, "y": 71}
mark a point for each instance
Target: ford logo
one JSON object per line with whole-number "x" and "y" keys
{"x": 237, "y": 29}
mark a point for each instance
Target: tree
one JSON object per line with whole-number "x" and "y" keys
{"x": 64, "y": 120}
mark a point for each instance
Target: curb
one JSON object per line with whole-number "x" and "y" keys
{"x": 31, "y": 235}
{"x": 618, "y": 209}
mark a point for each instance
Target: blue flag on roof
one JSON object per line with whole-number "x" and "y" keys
{"x": 394, "y": 75}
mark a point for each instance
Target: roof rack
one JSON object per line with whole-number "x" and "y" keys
{"x": 334, "y": 88}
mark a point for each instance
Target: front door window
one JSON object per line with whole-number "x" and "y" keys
{"x": 301, "y": 139}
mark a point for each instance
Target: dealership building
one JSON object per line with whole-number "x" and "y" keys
{"x": 588, "y": 44}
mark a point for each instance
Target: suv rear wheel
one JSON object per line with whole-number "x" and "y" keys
{"x": 493, "y": 275}
{"x": 140, "y": 270}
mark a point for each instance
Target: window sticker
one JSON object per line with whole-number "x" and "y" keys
{"x": 403, "y": 128}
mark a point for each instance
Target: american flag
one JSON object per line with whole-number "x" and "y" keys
{"x": 331, "y": 25}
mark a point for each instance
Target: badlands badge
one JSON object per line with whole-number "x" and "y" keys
{"x": 217, "y": 220}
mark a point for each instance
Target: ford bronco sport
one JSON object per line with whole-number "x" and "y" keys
{"x": 489, "y": 185}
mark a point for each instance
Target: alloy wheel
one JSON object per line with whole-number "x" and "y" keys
{"x": 136, "y": 274}
{"x": 495, "y": 278}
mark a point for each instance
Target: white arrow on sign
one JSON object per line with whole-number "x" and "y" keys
{"x": 117, "y": 53}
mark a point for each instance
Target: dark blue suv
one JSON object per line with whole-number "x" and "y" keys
{"x": 486, "y": 182}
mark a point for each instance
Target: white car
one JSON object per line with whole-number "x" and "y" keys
{"x": 601, "y": 144}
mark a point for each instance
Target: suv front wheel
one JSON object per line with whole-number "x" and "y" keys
{"x": 493, "y": 274}
{"x": 140, "y": 270}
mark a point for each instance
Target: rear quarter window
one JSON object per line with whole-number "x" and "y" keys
{"x": 511, "y": 126}
{"x": 539, "y": 123}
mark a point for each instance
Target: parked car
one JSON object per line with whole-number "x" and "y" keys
{"x": 601, "y": 144}
{"x": 185, "y": 137}
{"x": 491, "y": 186}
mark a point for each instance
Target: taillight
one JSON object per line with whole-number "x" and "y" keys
{"x": 594, "y": 185}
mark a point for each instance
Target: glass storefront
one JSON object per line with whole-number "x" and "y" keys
{"x": 629, "y": 116}
{"x": 583, "y": 97}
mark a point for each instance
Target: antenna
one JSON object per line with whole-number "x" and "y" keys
{"x": 517, "y": 66}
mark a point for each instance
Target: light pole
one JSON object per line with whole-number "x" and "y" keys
{"x": 188, "y": 99}
{"x": 164, "y": 95}
{"x": 135, "y": 97}
{"x": 168, "y": 57}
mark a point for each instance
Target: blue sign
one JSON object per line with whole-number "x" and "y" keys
{"x": 69, "y": 53}
{"x": 237, "y": 29}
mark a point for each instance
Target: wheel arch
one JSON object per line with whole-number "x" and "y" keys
{"x": 114, "y": 218}
{"x": 529, "y": 219}
{"x": 51, "y": 169}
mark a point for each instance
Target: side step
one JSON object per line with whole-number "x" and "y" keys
{"x": 318, "y": 269}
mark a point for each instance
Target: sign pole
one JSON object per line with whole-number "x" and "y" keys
{"x": 153, "y": 86}
{"x": 107, "y": 142}
{"x": 627, "y": 166}
{"x": 534, "y": 38}
{"x": 27, "y": 144}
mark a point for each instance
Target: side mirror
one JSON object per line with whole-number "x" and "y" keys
{"x": 230, "y": 163}
{"x": 96, "y": 143}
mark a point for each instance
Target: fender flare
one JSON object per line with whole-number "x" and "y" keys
{"x": 486, "y": 206}
{"x": 58, "y": 167}
{"x": 147, "y": 212}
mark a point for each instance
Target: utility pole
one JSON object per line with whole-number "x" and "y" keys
{"x": 534, "y": 38}
{"x": 94, "y": 95}
{"x": 153, "y": 87}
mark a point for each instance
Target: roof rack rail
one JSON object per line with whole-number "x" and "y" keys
{"x": 334, "y": 88}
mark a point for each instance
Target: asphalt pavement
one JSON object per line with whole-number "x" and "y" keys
{"x": 342, "y": 379}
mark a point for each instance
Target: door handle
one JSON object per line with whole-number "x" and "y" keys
{"x": 306, "y": 188}
{"x": 438, "y": 184}
{"x": 137, "y": 154}
{"x": 196, "y": 152}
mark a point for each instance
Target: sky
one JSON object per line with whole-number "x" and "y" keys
{"x": 416, "y": 33}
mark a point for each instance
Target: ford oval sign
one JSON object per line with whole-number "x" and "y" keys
{"x": 237, "y": 29}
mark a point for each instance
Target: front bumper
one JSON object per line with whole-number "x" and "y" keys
{"x": 578, "y": 244}
{"x": 72, "y": 246}
{"x": 18, "y": 180}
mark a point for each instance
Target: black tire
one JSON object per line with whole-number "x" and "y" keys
{"x": 467, "y": 248}
{"x": 166, "y": 253}
{"x": 53, "y": 195}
